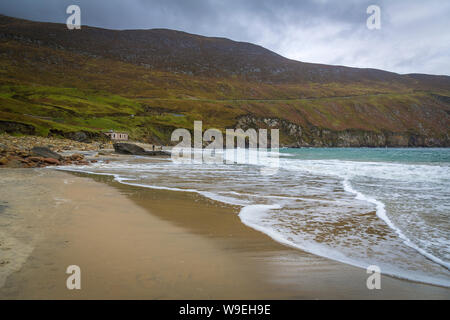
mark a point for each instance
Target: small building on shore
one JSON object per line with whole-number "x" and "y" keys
{"x": 117, "y": 136}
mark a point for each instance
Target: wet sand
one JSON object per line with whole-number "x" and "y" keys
{"x": 137, "y": 243}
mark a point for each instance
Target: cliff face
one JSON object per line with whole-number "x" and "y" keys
{"x": 297, "y": 136}
{"x": 149, "y": 82}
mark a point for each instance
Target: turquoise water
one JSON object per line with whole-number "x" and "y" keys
{"x": 400, "y": 155}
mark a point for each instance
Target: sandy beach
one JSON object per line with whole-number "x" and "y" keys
{"x": 236, "y": 151}
{"x": 138, "y": 243}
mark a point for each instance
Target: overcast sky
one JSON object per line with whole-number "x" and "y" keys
{"x": 414, "y": 35}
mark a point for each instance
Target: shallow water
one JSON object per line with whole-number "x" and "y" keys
{"x": 384, "y": 207}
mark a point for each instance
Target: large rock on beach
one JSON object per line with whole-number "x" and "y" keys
{"x": 129, "y": 148}
{"x": 132, "y": 149}
{"x": 45, "y": 153}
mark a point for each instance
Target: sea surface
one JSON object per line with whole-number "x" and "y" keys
{"x": 360, "y": 206}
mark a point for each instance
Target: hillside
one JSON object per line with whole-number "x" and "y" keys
{"x": 148, "y": 82}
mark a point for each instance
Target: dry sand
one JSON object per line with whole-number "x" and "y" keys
{"x": 136, "y": 243}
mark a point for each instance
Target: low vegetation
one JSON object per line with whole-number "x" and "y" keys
{"x": 50, "y": 87}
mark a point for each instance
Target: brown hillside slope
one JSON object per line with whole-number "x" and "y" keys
{"x": 148, "y": 82}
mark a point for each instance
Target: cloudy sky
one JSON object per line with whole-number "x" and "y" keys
{"x": 414, "y": 35}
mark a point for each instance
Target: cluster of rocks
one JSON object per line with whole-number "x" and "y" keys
{"x": 39, "y": 157}
{"x": 38, "y": 152}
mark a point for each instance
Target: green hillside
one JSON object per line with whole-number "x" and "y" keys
{"x": 59, "y": 82}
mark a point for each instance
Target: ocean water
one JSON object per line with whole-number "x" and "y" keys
{"x": 384, "y": 207}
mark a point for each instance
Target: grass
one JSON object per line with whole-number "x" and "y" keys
{"x": 92, "y": 94}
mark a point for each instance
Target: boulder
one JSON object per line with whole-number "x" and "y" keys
{"x": 129, "y": 148}
{"x": 51, "y": 161}
{"x": 76, "y": 157}
{"x": 46, "y": 153}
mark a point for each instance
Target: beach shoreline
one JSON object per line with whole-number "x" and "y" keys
{"x": 138, "y": 243}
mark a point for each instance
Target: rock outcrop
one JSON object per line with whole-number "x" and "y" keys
{"x": 132, "y": 149}
{"x": 296, "y": 136}
{"x": 45, "y": 153}
{"x": 16, "y": 127}
{"x": 80, "y": 136}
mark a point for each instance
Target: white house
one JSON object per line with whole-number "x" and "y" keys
{"x": 118, "y": 136}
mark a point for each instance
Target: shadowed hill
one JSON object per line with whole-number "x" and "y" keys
{"x": 177, "y": 51}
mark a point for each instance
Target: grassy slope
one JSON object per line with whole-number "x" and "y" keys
{"x": 53, "y": 88}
